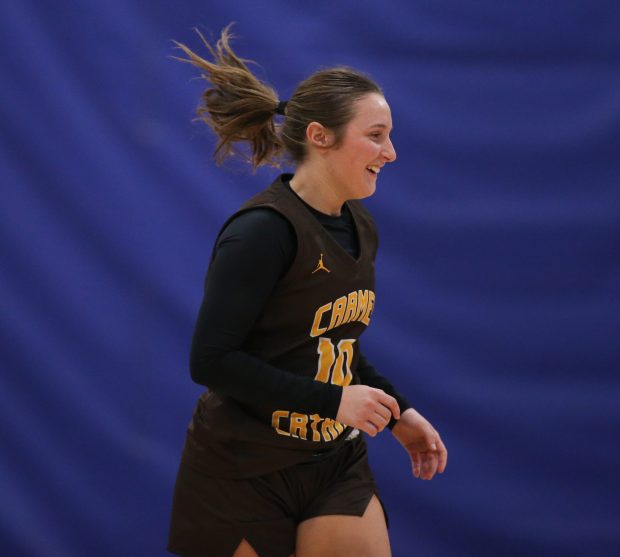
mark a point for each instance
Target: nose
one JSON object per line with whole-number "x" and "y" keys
{"x": 389, "y": 153}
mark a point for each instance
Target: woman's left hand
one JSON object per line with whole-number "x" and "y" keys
{"x": 420, "y": 439}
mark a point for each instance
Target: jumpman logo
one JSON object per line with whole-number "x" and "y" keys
{"x": 320, "y": 266}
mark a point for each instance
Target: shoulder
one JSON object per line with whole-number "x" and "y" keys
{"x": 257, "y": 234}
{"x": 257, "y": 223}
{"x": 271, "y": 195}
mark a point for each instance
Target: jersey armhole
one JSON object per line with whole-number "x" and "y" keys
{"x": 289, "y": 251}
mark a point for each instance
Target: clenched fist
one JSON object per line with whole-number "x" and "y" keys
{"x": 366, "y": 408}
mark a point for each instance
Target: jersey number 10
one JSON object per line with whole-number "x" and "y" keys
{"x": 335, "y": 362}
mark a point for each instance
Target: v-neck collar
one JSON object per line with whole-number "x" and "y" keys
{"x": 285, "y": 183}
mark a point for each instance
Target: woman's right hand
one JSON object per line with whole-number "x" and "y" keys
{"x": 366, "y": 408}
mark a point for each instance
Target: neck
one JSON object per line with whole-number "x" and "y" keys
{"x": 314, "y": 186}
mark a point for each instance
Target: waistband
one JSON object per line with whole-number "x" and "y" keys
{"x": 331, "y": 451}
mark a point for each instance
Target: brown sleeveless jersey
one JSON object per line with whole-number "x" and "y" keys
{"x": 310, "y": 327}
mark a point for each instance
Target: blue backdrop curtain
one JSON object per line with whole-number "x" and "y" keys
{"x": 498, "y": 273}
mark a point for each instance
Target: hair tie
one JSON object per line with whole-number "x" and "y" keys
{"x": 280, "y": 108}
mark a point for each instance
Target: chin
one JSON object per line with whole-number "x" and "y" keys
{"x": 366, "y": 191}
{"x": 362, "y": 189}
{"x": 371, "y": 191}
{"x": 360, "y": 196}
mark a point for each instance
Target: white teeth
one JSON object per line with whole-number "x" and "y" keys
{"x": 374, "y": 168}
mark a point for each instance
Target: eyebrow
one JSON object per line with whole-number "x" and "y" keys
{"x": 382, "y": 126}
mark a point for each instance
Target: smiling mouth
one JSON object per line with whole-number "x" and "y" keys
{"x": 373, "y": 169}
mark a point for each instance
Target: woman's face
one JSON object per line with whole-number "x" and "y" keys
{"x": 365, "y": 148}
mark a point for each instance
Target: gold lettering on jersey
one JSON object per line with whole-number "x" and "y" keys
{"x": 317, "y": 330}
{"x": 371, "y": 305}
{"x": 294, "y": 424}
{"x": 349, "y": 313}
{"x": 355, "y": 306}
{"x": 337, "y": 313}
{"x": 275, "y": 420}
{"x": 316, "y": 420}
{"x": 331, "y": 429}
{"x": 362, "y": 303}
{"x": 298, "y": 425}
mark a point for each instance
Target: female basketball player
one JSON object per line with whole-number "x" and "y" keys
{"x": 273, "y": 463}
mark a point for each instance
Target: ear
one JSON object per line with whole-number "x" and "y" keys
{"x": 319, "y": 136}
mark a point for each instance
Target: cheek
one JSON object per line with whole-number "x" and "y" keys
{"x": 373, "y": 150}
{"x": 367, "y": 152}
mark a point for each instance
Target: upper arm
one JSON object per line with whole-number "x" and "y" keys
{"x": 252, "y": 253}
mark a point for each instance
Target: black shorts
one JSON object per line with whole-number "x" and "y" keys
{"x": 210, "y": 516}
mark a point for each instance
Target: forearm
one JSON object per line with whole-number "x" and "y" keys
{"x": 251, "y": 380}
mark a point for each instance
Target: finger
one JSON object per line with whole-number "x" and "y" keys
{"x": 378, "y": 421}
{"x": 383, "y": 412}
{"x": 429, "y": 465}
{"x": 391, "y": 404}
{"x": 443, "y": 456}
{"x": 370, "y": 428}
{"x": 431, "y": 442}
{"x": 424, "y": 466}
{"x": 415, "y": 460}
{"x": 434, "y": 464}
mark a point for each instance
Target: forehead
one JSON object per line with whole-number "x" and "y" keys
{"x": 371, "y": 110}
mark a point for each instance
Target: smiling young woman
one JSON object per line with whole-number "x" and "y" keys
{"x": 335, "y": 172}
{"x": 274, "y": 463}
